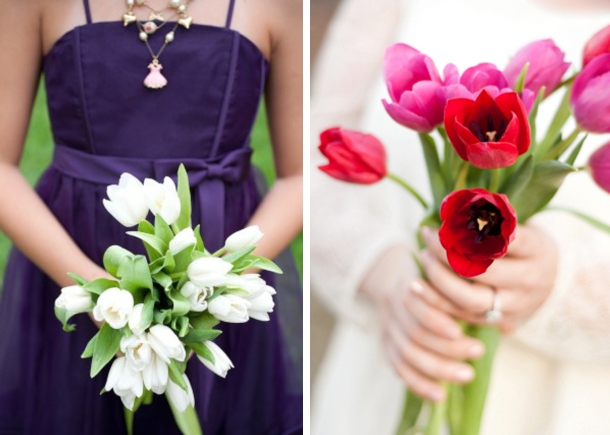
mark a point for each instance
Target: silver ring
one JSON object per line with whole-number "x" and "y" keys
{"x": 494, "y": 314}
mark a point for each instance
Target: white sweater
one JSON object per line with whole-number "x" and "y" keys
{"x": 552, "y": 375}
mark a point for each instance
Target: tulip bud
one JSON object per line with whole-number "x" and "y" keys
{"x": 262, "y": 305}
{"x": 229, "y": 308}
{"x": 125, "y": 381}
{"x": 598, "y": 44}
{"x": 156, "y": 375}
{"x": 251, "y": 283}
{"x": 180, "y": 399}
{"x": 546, "y": 66}
{"x": 127, "y": 203}
{"x": 599, "y": 165}
{"x": 590, "y": 98}
{"x": 222, "y": 364}
{"x": 243, "y": 238}
{"x": 135, "y": 320}
{"x": 353, "y": 157}
{"x": 137, "y": 350}
{"x": 74, "y": 299}
{"x": 166, "y": 343}
{"x": 163, "y": 199}
{"x": 208, "y": 271}
{"x": 196, "y": 296}
{"x": 114, "y": 306}
{"x": 182, "y": 240}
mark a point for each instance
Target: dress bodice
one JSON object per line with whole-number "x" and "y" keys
{"x": 98, "y": 103}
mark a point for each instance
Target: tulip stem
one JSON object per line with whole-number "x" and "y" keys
{"x": 460, "y": 182}
{"x": 494, "y": 181}
{"x": 409, "y": 188}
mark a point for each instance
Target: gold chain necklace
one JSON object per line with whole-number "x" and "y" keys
{"x": 154, "y": 79}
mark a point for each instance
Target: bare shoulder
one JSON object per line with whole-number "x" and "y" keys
{"x": 285, "y": 22}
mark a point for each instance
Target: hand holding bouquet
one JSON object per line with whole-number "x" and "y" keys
{"x": 159, "y": 309}
{"x": 488, "y": 169}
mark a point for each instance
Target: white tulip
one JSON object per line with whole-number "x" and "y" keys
{"x": 229, "y": 308}
{"x": 114, "y": 306}
{"x": 247, "y": 237}
{"x": 156, "y": 375}
{"x": 74, "y": 299}
{"x": 182, "y": 240}
{"x": 251, "y": 283}
{"x": 127, "y": 203}
{"x": 162, "y": 199}
{"x": 208, "y": 271}
{"x": 126, "y": 382}
{"x": 196, "y": 296}
{"x": 262, "y": 305}
{"x": 180, "y": 399}
{"x": 137, "y": 350}
{"x": 135, "y": 319}
{"x": 222, "y": 364}
{"x": 166, "y": 343}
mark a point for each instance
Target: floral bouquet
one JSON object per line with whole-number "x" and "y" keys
{"x": 159, "y": 310}
{"x": 493, "y": 172}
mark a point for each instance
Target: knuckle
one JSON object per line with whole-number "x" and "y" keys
{"x": 416, "y": 333}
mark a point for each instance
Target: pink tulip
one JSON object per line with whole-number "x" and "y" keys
{"x": 487, "y": 76}
{"x": 598, "y": 44}
{"x": 590, "y": 99}
{"x": 599, "y": 165}
{"x": 546, "y": 66}
{"x": 418, "y": 95}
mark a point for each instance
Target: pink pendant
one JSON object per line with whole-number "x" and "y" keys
{"x": 154, "y": 79}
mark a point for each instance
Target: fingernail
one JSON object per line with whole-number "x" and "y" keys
{"x": 475, "y": 351}
{"x": 436, "y": 395}
{"x": 464, "y": 374}
{"x": 416, "y": 287}
{"x": 452, "y": 331}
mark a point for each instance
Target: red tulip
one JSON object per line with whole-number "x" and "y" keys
{"x": 477, "y": 228}
{"x": 598, "y": 44}
{"x": 488, "y": 132}
{"x": 590, "y": 98}
{"x": 599, "y": 165}
{"x": 354, "y": 157}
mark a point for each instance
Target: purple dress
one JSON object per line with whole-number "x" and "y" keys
{"x": 105, "y": 122}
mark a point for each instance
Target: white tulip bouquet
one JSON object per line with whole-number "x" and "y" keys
{"x": 158, "y": 310}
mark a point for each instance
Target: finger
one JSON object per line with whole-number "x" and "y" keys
{"x": 434, "y": 298}
{"x": 459, "y": 348}
{"x": 429, "y": 363}
{"x": 506, "y": 272}
{"x": 526, "y": 242}
{"x": 417, "y": 382}
{"x": 433, "y": 319}
{"x": 433, "y": 244}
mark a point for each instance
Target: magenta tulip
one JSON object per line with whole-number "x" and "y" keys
{"x": 598, "y": 44}
{"x": 590, "y": 99}
{"x": 599, "y": 165}
{"x": 487, "y": 76}
{"x": 417, "y": 92}
{"x": 546, "y": 66}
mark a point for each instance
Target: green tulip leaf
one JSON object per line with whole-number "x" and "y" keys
{"x": 438, "y": 183}
{"x": 519, "y": 179}
{"x": 106, "y": 346}
{"x": 148, "y": 312}
{"x": 100, "y": 285}
{"x": 78, "y": 279}
{"x": 200, "y": 335}
{"x": 234, "y": 257}
{"x": 576, "y": 151}
{"x": 63, "y": 316}
{"x": 561, "y": 116}
{"x": 113, "y": 257}
{"x": 183, "y": 258}
{"x": 541, "y": 188}
{"x": 184, "y": 193}
{"x": 200, "y": 246}
{"x": 532, "y": 118}
{"x": 181, "y": 325}
{"x": 204, "y": 321}
{"x": 187, "y": 421}
{"x": 181, "y": 305}
{"x": 163, "y": 280}
{"x": 163, "y": 231}
{"x": 146, "y": 227}
{"x": 254, "y": 262}
{"x": 520, "y": 82}
{"x": 175, "y": 374}
{"x": 202, "y": 350}
{"x": 151, "y": 240}
{"x": 88, "y": 352}
{"x": 135, "y": 274}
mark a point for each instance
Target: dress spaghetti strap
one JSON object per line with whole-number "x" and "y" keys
{"x": 87, "y": 11}
{"x": 229, "y": 13}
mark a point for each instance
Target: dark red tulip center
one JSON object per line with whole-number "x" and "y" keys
{"x": 491, "y": 134}
{"x": 485, "y": 220}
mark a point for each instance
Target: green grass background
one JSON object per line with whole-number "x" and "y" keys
{"x": 39, "y": 150}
